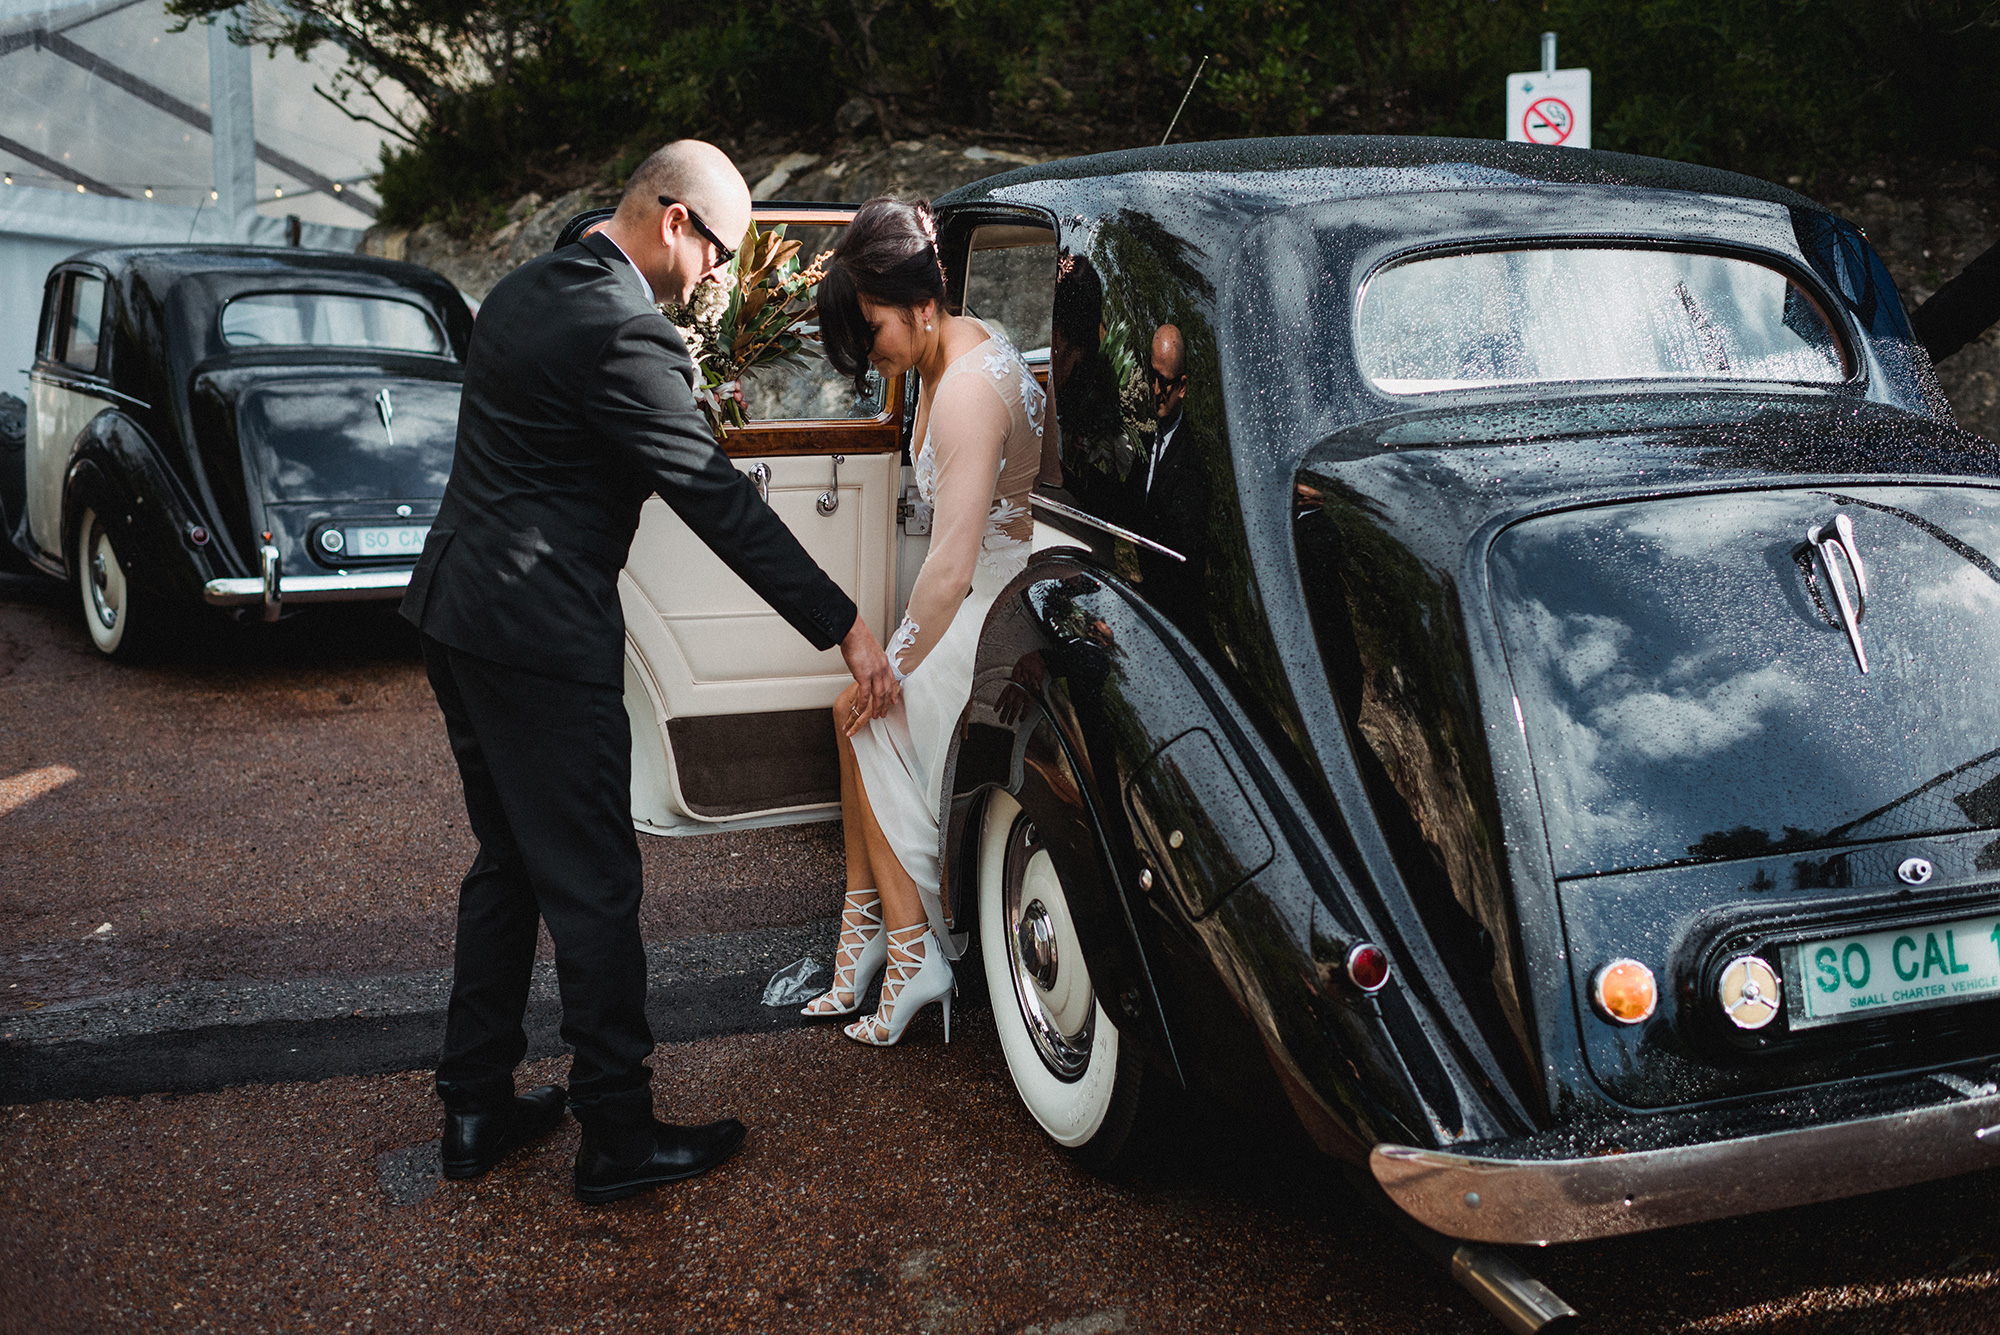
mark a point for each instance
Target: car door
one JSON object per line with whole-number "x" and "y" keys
{"x": 730, "y": 705}
{"x": 69, "y": 389}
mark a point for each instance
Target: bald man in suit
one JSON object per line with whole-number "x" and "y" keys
{"x": 578, "y": 405}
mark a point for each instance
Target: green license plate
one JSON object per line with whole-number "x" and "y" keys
{"x": 1849, "y": 977}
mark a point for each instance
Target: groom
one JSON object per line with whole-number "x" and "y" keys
{"x": 577, "y": 406}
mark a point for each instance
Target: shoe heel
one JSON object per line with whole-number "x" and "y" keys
{"x": 945, "y": 1002}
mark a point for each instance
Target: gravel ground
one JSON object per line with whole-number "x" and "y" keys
{"x": 276, "y": 802}
{"x": 879, "y": 1192}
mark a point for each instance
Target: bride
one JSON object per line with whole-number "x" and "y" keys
{"x": 979, "y": 433}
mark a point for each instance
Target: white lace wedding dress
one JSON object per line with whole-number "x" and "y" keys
{"x": 981, "y": 449}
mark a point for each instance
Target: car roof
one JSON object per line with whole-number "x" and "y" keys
{"x": 166, "y": 264}
{"x": 1312, "y": 168}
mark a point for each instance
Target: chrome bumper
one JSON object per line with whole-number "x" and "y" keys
{"x": 306, "y": 589}
{"x": 1494, "y": 1199}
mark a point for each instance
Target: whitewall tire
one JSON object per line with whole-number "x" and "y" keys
{"x": 105, "y": 590}
{"x": 1061, "y": 1047}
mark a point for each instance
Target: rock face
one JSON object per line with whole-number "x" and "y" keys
{"x": 1924, "y": 241}
{"x": 850, "y": 171}
{"x": 475, "y": 264}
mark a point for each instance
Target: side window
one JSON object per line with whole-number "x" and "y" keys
{"x": 806, "y": 388}
{"x": 1138, "y": 408}
{"x": 52, "y": 307}
{"x": 1010, "y": 283}
{"x": 80, "y": 322}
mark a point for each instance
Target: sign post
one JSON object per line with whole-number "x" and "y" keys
{"x": 1548, "y": 105}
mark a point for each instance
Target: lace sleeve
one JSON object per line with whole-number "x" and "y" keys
{"x": 968, "y": 433}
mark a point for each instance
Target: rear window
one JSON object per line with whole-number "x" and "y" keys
{"x": 1517, "y": 317}
{"x": 329, "y": 320}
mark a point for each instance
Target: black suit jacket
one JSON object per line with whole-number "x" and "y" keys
{"x": 1173, "y": 513}
{"x": 578, "y": 405}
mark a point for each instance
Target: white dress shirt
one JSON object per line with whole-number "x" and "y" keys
{"x": 651, "y": 300}
{"x": 1160, "y": 443}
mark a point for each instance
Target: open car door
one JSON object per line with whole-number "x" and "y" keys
{"x": 730, "y": 707}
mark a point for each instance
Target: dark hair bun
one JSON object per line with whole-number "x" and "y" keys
{"x": 887, "y": 254}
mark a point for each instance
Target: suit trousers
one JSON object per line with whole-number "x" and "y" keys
{"x": 547, "y": 767}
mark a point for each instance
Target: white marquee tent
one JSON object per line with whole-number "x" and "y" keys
{"x": 115, "y": 129}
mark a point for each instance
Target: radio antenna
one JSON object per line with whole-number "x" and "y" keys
{"x": 1184, "y": 101}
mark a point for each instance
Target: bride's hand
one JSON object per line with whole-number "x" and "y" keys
{"x": 875, "y": 683}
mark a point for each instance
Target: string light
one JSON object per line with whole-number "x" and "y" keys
{"x": 336, "y": 187}
{"x": 79, "y": 188}
{"x": 149, "y": 192}
{"x": 214, "y": 195}
{"x": 10, "y": 178}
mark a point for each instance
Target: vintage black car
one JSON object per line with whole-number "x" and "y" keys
{"x": 1536, "y": 720}
{"x": 239, "y": 427}
{"x": 1506, "y": 680}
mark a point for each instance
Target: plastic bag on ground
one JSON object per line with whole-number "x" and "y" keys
{"x": 793, "y": 985}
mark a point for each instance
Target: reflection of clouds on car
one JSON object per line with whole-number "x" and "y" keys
{"x": 1696, "y": 721}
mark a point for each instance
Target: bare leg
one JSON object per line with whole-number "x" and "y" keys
{"x": 857, "y": 959}
{"x": 902, "y": 903}
{"x": 860, "y": 867}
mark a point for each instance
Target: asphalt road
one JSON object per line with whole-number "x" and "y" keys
{"x": 225, "y": 894}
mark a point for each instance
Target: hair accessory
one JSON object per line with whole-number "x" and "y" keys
{"x": 927, "y": 223}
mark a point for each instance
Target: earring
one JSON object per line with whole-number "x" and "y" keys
{"x": 927, "y": 326}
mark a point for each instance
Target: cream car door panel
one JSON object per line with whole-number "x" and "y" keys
{"x": 728, "y": 702}
{"x": 59, "y": 416}
{"x": 715, "y": 647}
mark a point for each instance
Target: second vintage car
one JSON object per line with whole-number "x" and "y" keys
{"x": 237, "y": 427}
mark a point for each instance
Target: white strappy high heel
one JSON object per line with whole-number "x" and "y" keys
{"x": 864, "y": 946}
{"x": 918, "y": 975}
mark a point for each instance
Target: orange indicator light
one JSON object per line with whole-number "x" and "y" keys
{"x": 1624, "y": 992}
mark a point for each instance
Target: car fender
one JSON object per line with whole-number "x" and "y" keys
{"x": 116, "y": 469}
{"x": 1228, "y": 970}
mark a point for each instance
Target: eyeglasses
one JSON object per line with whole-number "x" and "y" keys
{"x": 724, "y": 253}
{"x": 1162, "y": 378}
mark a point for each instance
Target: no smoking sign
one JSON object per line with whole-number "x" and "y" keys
{"x": 1549, "y": 107}
{"x": 1549, "y": 121}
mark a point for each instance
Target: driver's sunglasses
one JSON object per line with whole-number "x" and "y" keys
{"x": 725, "y": 253}
{"x": 1161, "y": 378}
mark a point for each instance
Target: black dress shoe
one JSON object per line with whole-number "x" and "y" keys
{"x": 478, "y": 1136}
{"x": 678, "y": 1152}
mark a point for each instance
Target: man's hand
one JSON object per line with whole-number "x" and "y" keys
{"x": 875, "y": 684}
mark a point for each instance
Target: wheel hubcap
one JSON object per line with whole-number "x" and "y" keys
{"x": 1036, "y": 937}
{"x": 1056, "y": 1003}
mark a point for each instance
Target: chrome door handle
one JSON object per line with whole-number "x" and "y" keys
{"x": 1842, "y": 543}
{"x": 761, "y": 475}
{"x": 829, "y": 500}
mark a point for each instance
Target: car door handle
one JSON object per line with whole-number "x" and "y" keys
{"x": 761, "y": 475}
{"x": 829, "y": 500}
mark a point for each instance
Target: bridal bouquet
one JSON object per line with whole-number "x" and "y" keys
{"x": 756, "y": 316}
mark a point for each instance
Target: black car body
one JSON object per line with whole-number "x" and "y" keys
{"x": 242, "y": 427}
{"x": 1511, "y": 675}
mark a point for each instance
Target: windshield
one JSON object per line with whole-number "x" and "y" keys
{"x": 329, "y": 320}
{"x": 1515, "y": 317}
